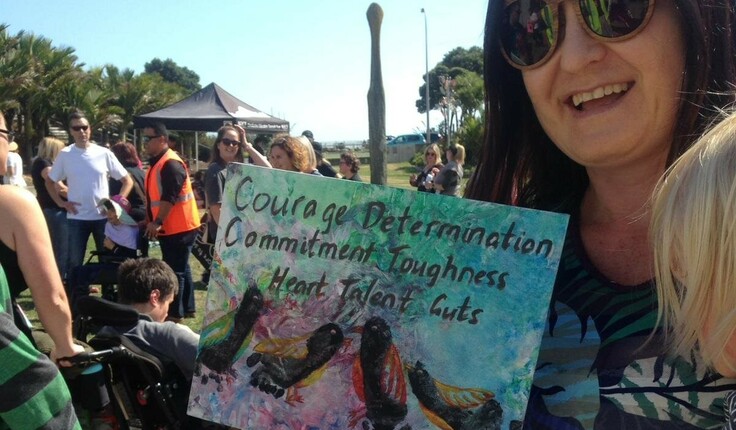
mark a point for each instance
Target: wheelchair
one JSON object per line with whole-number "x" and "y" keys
{"x": 101, "y": 268}
{"x": 144, "y": 392}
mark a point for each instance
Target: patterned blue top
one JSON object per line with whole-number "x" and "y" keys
{"x": 598, "y": 367}
{"x": 730, "y": 408}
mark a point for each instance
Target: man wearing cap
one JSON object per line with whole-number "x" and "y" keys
{"x": 324, "y": 167}
{"x": 171, "y": 210}
{"x": 86, "y": 167}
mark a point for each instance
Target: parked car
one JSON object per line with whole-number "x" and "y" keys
{"x": 434, "y": 137}
{"x": 404, "y": 139}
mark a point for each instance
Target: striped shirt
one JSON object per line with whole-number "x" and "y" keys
{"x": 33, "y": 394}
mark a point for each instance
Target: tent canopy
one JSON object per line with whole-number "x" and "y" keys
{"x": 209, "y": 109}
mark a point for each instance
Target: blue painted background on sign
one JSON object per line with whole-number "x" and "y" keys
{"x": 342, "y": 296}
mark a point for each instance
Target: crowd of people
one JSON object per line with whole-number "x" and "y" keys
{"x": 604, "y": 117}
{"x": 72, "y": 183}
{"x": 439, "y": 178}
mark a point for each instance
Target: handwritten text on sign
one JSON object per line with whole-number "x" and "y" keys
{"x": 462, "y": 287}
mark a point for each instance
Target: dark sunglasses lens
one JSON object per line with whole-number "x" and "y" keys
{"x": 229, "y": 142}
{"x": 527, "y": 32}
{"x": 80, "y": 127}
{"x": 614, "y": 18}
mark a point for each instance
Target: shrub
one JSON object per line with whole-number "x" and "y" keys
{"x": 470, "y": 136}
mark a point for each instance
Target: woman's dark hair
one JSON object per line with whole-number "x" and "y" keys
{"x": 260, "y": 143}
{"x": 351, "y": 160}
{"x": 216, "y": 156}
{"x": 519, "y": 163}
{"x": 126, "y": 154}
{"x": 78, "y": 115}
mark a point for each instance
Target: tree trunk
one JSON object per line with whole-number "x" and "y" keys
{"x": 376, "y": 100}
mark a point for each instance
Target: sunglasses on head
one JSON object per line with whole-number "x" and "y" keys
{"x": 80, "y": 127}
{"x": 530, "y": 29}
{"x": 229, "y": 142}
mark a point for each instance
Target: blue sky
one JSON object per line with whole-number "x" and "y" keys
{"x": 304, "y": 61}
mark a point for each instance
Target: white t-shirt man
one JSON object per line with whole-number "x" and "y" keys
{"x": 15, "y": 165}
{"x": 87, "y": 171}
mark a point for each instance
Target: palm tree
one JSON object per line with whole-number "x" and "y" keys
{"x": 13, "y": 72}
{"x": 88, "y": 94}
{"x": 53, "y": 67}
{"x": 30, "y": 68}
{"x": 41, "y": 85}
{"x": 132, "y": 94}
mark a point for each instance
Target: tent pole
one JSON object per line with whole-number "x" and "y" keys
{"x": 196, "y": 151}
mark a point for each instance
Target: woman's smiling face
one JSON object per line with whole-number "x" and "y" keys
{"x": 279, "y": 159}
{"x": 227, "y": 151}
{"x": 612, "y": 103}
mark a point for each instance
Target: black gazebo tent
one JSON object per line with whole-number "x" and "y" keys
{"x": 209, "y": 109}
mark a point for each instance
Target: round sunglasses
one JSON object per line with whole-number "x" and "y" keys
{"x": 530, "y": 29}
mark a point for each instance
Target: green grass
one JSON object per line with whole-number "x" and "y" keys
{"x": 397, "y": 176}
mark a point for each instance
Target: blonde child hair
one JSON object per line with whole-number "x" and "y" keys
{"x": 694, "y": 237}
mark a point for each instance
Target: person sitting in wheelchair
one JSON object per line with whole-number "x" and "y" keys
{"x": 149, "y": 285}
{"x": 162, "y": 363}
{"x": 121, "y": 230}
{"x": 121, "y": 242}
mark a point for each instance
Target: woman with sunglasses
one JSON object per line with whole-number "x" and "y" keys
{"x": 432, "y": 166}
{"x": 230, "y": 146}
{"x": 585, "y": 108}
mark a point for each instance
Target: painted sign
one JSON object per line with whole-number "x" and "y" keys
{"x": 340, "y": 305}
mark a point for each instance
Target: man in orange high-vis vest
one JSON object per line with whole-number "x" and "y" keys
{"x": 172, "y": 214}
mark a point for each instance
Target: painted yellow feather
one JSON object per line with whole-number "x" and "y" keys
{"x": 463, "y": 398}
{"x": 435, "y": 419}
{"x": 295, "y": 347}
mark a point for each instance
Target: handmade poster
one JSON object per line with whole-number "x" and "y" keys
{"x": 342, "y": 305}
